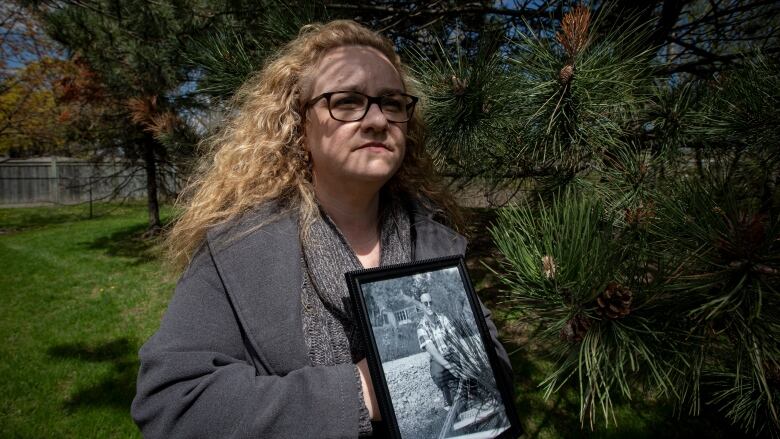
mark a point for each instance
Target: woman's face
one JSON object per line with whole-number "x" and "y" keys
{"x": 368, "y": 151}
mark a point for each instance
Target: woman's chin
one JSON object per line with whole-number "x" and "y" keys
{"x": 375, "y": 175}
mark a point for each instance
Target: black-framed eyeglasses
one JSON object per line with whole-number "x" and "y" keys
{"x": 428, "y": 304}
{"x": 352, "y": 106}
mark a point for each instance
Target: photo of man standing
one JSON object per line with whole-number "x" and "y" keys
{"x": 432, "y": 333}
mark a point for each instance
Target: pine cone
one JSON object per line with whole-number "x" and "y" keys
{"x": 614, "y": 302}
{"x": 548, "y": 266}
{"x": 641, "y": 215}
{"x": 575, "y": 328}
{"x": 566, "y": 73}
{"x": 459, "y": 85}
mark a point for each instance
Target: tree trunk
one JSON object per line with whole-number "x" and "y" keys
{"x": 151, "y": 186}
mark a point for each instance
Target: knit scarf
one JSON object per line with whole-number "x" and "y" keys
{"x": 331, "y": 331}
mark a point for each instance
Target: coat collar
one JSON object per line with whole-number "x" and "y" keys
{"x": 258, "y": 257}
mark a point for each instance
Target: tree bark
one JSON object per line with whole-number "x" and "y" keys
{"x": 151, "y": 186}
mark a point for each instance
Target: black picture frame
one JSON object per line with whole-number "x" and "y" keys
{"x": 411, "y": 386}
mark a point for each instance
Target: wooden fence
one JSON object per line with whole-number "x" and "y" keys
{"x": 60, "y": 180}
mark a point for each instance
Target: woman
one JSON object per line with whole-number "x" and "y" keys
{"x": 319, "y": 170}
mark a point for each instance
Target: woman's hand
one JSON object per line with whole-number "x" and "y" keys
{"x": 368, "y": 391}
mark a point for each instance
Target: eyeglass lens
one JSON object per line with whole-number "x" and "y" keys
{"x": 350, "y": 107}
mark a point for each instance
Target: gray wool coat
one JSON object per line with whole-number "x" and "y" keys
{"x": 229, "y": 358}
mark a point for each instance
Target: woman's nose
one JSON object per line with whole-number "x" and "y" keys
{"x": 374, "y": 117}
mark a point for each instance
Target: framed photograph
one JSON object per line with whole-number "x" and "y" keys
{"x": 434, "y": 368}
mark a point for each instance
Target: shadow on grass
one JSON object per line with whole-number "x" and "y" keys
{"x": 16, "y": 222}
{"x": 128, "y": 243}
{"x": 15, "y": 219}
{"x": 117, "y": 388}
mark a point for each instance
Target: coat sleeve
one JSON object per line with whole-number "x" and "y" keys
{"x": 196, "y": 378}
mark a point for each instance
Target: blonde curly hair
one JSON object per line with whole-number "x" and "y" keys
{"x": 258, "y": 154}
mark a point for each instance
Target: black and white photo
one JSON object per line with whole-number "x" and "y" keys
{"x": 431, "y": 370}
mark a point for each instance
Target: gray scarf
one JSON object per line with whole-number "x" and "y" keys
{"x": 331, "y": 331}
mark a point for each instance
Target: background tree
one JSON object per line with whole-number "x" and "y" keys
{"x": 30, "y": 65}
{"x": 133, "y": 49}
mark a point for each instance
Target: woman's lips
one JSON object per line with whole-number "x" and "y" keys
{"x": 375, "y": 146}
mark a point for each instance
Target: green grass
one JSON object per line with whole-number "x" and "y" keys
{"x": 80, "y": 296}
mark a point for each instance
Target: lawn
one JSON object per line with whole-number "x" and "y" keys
{"x": 80, "y": 295}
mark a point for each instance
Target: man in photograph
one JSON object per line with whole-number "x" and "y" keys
{"x": 433, "y": 333}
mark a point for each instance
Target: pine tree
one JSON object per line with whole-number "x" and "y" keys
{"x": 134, "y": 51}
{"x": 648, "y": 247}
